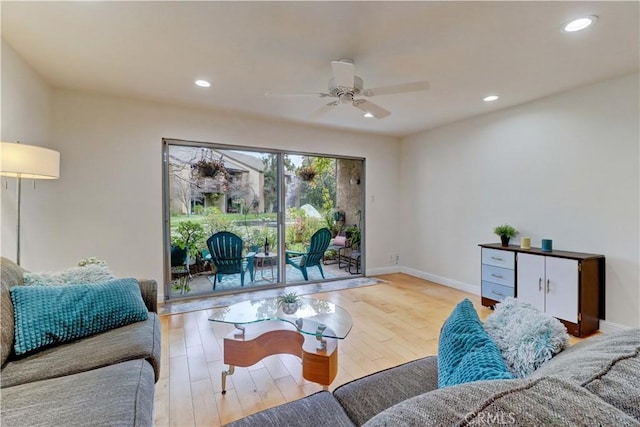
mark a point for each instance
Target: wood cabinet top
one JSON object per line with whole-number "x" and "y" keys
{"x": 538, "y": 251}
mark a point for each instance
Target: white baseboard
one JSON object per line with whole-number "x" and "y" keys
{"x": 383, "y": 270}
{"x": 610, "y": 327}
{"x": 466, "y": 287}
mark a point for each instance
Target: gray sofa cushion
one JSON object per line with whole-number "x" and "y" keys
{"x": 526, "y": 402}
{"x": 10, "y": 275}
{"x": 117, "y": 395}
{"x": 365, "y": 397}
{"x": 317, "y": 410}
{"x": 140, "y": 340}
{"x": 607, "y": 365}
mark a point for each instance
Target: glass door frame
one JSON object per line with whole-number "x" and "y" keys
{"x": 281, "y": 280}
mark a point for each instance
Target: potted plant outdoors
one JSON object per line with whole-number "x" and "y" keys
{"x": 211, "y": 169}
{"x": 334, "y": 219}
{"x": 307, "y": 173}
{"x": 506, "y": 232}
{"x": 353, "y": 235}
{"x": 289, "y": 303}
{"x": 188, "y": 236}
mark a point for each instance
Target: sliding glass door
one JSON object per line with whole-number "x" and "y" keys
{"x": 322, "y": 192}
{"x": 228, "y": 210}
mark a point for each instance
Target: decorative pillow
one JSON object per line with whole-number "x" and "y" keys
{"x": 46, "y": 315}
{"x": 91, "y": 260}
{"x": 339, "y": 241}
{"x": 465, "y": 351}
{"x": 525, "y": 336}
{"x": 89, "y": 273}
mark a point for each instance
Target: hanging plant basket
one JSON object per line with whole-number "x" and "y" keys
{"x": 210, "y": 168}
{"x": 307, "y": 173}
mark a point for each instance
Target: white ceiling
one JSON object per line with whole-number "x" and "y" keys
{"x": 466, "y": 50}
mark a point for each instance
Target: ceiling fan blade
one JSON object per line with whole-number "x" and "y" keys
{"x": 343, "y": 73}
{"x": 290, "y": 95}
{"x": 399, "y": 88}
{"x": 323, "y": 110}
{"x": 369, "y": 107}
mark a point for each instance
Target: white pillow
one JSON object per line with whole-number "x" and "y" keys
{"x": 90, "y": 273}
{"x": 525, "y": 336}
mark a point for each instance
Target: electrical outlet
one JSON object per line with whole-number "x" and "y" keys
{"x": 392, "y": 258}
{"x": 397, "y": 258}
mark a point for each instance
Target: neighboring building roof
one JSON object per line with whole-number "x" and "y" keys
{"x": 233, "y": 160}
{"x": 246, "y": 159}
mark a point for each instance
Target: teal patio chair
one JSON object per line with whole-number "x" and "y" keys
{"x": 313, "y": 256}
{"x": 225, "y": 249}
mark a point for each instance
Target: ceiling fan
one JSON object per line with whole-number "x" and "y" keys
{"x": 345, "y": 86}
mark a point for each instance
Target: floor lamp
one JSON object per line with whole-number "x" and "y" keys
{"x": 27, "y": 161}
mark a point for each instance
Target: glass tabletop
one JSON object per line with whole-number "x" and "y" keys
{"x": 313, "y": 317}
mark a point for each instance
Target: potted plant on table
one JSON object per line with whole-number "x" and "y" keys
{"x": 506, "y": 232}
{"x": 289, "y": 303}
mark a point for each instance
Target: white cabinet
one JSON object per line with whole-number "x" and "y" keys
{"x": 550, "y": 284}
{"x": 568, "y": 285}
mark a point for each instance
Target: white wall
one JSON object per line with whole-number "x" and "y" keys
{"x": 564, "y": 167}
{"x": 25, "y": 118}
{"x": 108, "y": 202}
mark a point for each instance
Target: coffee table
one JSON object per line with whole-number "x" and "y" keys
{"x": 263, "y": 329}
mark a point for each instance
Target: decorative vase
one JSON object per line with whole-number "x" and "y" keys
{"x": 289, "y": 307}
{"x": 505, "y": 240}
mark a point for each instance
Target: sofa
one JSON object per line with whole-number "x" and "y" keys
{"x": 102, "y": 379}
{"x": 595, "y": 382}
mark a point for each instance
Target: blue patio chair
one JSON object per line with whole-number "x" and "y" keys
{"x": 225, "y": 249}
{"x": 313, "y": 256}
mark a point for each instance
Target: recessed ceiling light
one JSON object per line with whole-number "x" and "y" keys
{"x": 580, "y": 23}
{"x": 368, "y": 115}
{"x": 490, "y": 98}
{"x": 203, "y": 83}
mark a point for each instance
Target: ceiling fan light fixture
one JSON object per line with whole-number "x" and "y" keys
{"x": 490, "y": 98}
{"x": 580, "y": 23}
{"x": 202, "y": 83}
{"x": 368, "y": 115}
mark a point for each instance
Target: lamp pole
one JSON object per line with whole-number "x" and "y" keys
{"x": 19, "y": 197}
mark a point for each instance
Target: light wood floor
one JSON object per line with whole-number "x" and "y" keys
{"x": 393, "y": 323}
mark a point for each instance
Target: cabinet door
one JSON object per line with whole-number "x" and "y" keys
{"x": 531, "y": 280}
{"x": 562, "y": 288}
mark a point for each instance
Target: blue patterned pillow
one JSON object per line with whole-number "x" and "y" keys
{"x": 465, "y": 351}
{"x": 46, "y": 316}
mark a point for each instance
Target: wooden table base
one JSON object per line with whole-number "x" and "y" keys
{"x": 267, "y": 338}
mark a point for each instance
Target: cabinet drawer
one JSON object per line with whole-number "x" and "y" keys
{"x": 496, "y": 292}
{"x": 498, "y": 275}
{"x": 504, "y": 259}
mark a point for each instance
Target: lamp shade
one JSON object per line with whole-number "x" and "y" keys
{"x": 28, "y": 161}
